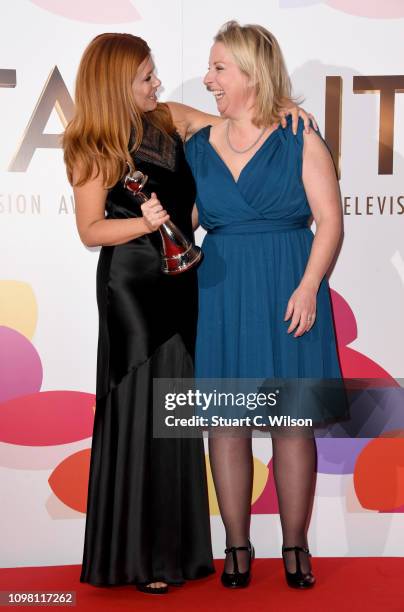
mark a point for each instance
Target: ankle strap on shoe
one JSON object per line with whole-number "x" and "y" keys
{"x": 233, "y": 550}
{"x": 296, "y": 549}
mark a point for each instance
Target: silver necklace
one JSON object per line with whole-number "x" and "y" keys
{"x": 242, "y": 150}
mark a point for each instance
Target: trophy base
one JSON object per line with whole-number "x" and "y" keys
{"x": 183, "y": 262}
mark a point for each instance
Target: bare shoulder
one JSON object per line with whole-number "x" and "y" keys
{"x": 189, "y": 120}
{"x": 94, "y": 179}
{"x": 318, "y": 166}
{"x": 312, "y": 143}
{"x": 315, "y": 150}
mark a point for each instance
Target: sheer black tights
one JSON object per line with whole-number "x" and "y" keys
{"x": 294, "y": 464}
{"x": 232, "y": 470}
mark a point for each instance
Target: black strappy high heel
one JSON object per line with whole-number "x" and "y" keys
{"x": 298, "y": 580}
{"x": 238, "y": 580}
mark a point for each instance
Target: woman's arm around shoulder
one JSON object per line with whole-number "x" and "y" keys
{"x": 189, "y": 120}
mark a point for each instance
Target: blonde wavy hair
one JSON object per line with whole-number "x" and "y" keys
{"x": 97, "y": 138}
{"x": 258, "y": 55}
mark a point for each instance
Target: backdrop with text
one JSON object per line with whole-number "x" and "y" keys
{"x": 345, "y": 60}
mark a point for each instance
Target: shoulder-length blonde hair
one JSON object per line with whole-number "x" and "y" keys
{"x": 96, "y": 139}
{"x": 258, "y": 55}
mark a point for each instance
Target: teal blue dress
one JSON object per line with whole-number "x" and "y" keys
{"x": 255, "y": 251}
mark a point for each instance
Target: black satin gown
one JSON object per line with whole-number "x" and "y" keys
{"x": 147, "y": 510}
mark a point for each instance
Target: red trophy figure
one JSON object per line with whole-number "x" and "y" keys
{"x": 178, "y": 253}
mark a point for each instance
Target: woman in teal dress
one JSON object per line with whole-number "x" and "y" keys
{"x": 264, "y": 305}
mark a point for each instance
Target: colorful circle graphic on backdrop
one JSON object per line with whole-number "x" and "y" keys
{"x": 376, "y": 9}
{"x": 92, "y": 11}
{"x": 33, "y": 418}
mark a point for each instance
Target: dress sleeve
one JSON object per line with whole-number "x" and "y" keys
{"x": 297, "y": 143}
{"x": 300, "y": 131}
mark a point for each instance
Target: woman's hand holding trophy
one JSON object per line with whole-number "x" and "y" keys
{"x": 178, "y": 253}
{"x": 153, "y": 213}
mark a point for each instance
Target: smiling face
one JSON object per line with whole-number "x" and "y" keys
{"x": 145, "y": 86}
{"x": 231, "y": 87}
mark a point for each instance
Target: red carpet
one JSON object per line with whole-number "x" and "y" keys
{"x": 346, "y": 584}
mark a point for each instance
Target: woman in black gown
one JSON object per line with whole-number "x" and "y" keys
{"x": 147, "y": 512}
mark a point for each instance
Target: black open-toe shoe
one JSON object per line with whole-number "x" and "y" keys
{"x": 238, "y": 580}
{"x": 146, "y": 588}
{"x": 298, "y": 579}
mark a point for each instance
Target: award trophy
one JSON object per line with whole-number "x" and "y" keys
{"x": 178, "y": 254}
